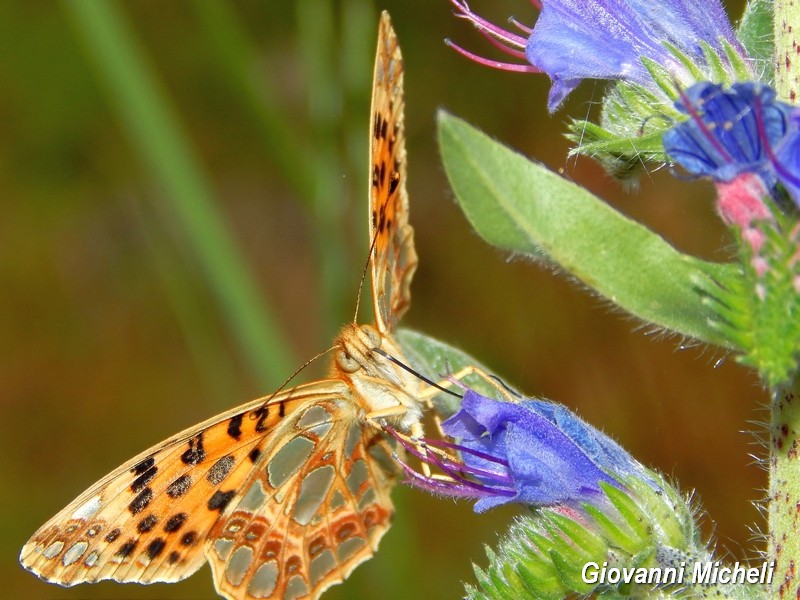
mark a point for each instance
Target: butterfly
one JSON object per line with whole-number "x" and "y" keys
{"x": 286, "y": 495}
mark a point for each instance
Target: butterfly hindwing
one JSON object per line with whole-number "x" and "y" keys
{"x": 315, "y": 508}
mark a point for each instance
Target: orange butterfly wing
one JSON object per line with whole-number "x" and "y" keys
{"x": 316, "y": 512}
{"x": 291, "y": 494}
{"x": 394, "y": 258}
{"x": 147, "y": 520}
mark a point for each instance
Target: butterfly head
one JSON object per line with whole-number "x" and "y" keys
{"x": 362, "y": 358}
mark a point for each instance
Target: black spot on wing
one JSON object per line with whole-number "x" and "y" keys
{"x": 375, "y": 183}
{"x": 235, "y": 426}
{"x": 261, "y": 413}
{"x": 126, "y": 549}
{"x": 379, "y": 132}
{"x": 394, "y": 182}
{"x": 175, "y": 522}
{"x": 143, "y": 479}
{"x": 141, "y": 501}
{"x": 189, "y": 538}
{"x": 155, "y": 548}
{"x": 180, "y": 486}
{"x": 384, "y": 126}
{"x": 113, "y": 534}
{"x": 220, "y": 470}
{"x": 220, "y": 500}
{"x": 143, "y": 466}
{"x": 147, "y": 523}
{"x": 254, "y": 454}
{"x": 196, "y": 453}
{"x": 173, "y": 557}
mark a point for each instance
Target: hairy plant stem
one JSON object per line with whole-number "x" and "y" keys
{"x": 787, "y": 59}
{"x": 784, "y": 466}
{"x": 784, "y": 490}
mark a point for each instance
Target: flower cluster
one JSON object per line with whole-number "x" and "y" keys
{"x": 593, "y": 502}
{"x": 684, "y": 91}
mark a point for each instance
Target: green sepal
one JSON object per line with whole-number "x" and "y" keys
{"x": 667, "y": 509}
{"x": 742, "y": 70}
{"x": 621, "y": 157}
{"x": 524, "y": 208}
{"x": 664, "y": 80}
{"x": 570, "y": 538}
{"x": 695, "y": 71}
{"x": 631, "y": 514}
{"x": 756, "y": 33}
{"x": 762, "y": 310}
{"x": 715, "y": 66}
{"x": 618, "y": 534}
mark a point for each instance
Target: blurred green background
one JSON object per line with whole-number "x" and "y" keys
{"x": 115, "y": 333}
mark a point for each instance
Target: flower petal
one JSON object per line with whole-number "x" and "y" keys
{"x": 606, "y": 39}
{"x": 729, "y": 132}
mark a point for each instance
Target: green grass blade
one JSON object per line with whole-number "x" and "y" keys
{"x": 156, "y": 135}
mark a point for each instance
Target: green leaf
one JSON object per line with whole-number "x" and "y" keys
{"x": 524, "y": 208}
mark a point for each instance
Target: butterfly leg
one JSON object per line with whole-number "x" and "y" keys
{"x": 416, "y": 429}
{"x": 456, "y": 379}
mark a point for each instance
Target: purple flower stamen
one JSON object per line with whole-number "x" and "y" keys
{"x": 494, "y": 64}
{"x": 455, "y": 486}
{"x": 436, "y": 486}
{"x": 464, "y": 449}
{"x": 712, "y": 139}
{"x": 506, "y": 41}
{"x": 503, "y": 35}
{"x": 511, "y": 51}
{"x": 453, "y": 468}
{"x": 522, "y": 27}
{"x": 483, "y": 481}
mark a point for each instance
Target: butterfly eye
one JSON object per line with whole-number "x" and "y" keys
{"x": 373, "y": 337}
{"x": 346, "y": 362}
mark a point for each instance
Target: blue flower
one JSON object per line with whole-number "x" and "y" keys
{"x": 736, "y": 131}
{"x": 574, "y": 40}
{"x": 533, "y": 452}
{"x": 786, "y": 160}
{"x": 606, "y": 39}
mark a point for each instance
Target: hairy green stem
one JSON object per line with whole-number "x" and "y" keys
{"x": 787, "y": 69}
{"x": 784, "y": 467}
{"x": 784, "y": 490}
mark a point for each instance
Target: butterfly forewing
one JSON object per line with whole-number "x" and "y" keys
{"x": 394, "y": 258}
{"x": 147, "y": 520}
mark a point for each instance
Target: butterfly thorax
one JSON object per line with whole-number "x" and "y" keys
{"x": 379, "y": 384}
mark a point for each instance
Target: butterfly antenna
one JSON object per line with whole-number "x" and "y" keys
{"x": 297, "y": 372}
{"x": 364, "y": 275}
{"x": 416, "y": 374}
